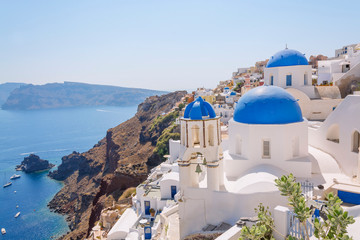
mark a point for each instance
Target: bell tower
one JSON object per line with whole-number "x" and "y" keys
{"x": 201, "y": 141}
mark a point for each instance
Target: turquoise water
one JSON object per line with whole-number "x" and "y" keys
{"x": 50, "y": 134}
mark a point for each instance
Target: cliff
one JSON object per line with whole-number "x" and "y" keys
{"x": 33, "y": 163}
{"x": 6, "y": 89}
{"x": 93, "y": 180}
{"x": 71, "y": 94}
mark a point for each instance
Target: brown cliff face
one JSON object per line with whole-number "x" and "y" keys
{"x": 95, "y": 179}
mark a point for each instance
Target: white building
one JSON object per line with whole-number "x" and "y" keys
{"x": 339, "y": 135}
{"x": 345, "y": 49}
{"x": 156, "y": 193}
{"x": 203, "y": 92}
{"x": 341, "y": 70}
{"x": 268, "y": 137}
{"x": 231, "y": 97}
{"x": 225, "y": 111}
{"x": 290, "y": 69}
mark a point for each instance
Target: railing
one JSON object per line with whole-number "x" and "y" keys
{"x": 307, "y": 189}
{"x": 298, "y": 230}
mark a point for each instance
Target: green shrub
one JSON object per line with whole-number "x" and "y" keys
{"x": 162, "y": 145}
{"x": 162, "y": 122}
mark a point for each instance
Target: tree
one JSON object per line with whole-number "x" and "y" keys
{"x": 334, "y": 227}
{"x": 181, "y": 106}
{"x": 238, "y": 87}
{"x": 291, "y": 189}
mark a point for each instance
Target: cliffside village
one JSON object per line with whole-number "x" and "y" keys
{"x": 284, "y": 115}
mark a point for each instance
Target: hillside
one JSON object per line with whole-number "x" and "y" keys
{"x": 6, "y": 89}
{"x": 95, "y": 179}
{"x": 71, "y": 94}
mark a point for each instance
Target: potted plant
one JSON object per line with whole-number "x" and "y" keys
{"x": 152, "y": 212}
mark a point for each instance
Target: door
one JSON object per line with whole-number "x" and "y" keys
{"x": 147, "y": 232}
{"x": 173, "y": 191}
{"x": 147, "y": 207}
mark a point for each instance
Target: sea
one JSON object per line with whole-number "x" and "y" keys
{"x": 50, "y": 134}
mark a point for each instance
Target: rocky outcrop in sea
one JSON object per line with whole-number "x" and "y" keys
{"x": 33, "y": 163}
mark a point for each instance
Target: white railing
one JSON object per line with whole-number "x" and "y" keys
{"x": 307, "y": 189}
{"x": 296, "y": 229}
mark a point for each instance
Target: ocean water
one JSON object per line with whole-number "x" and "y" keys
{"x": 50, "y": 134}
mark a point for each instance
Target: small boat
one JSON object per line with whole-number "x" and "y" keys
{"x": 3, "y": 231}
{"x": 15, "y": 176}
{"x": 16, "y": 215}
{"x": 17, "y": 206}
{"x": 7, "y": 184}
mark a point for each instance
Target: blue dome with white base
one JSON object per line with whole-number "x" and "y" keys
{"x": 267, "y": 105}
{"x": 199, "y": 110}
{"x": 287, "y": 57}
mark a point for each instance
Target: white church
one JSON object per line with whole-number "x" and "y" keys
{"x": 289, "y": 69}
{"x": 222, "y": 180}
{"x": 267, "y": 138}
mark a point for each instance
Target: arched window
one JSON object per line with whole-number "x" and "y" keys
{"x": 305, "y": 79}
{"x": 211, "y": 135}
{"x": 195, "y": 135}
{"x": 356, "y": 142}
{"x": 333, "y": 133}
{"x": 271, "y": 80}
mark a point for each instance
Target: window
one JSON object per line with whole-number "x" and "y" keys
{"x": 356, "y": 142}
{"x": 305, "y": 79}
{"x": 266, "y": 148}
{"x": 288, "y": 80}
{"x": 238, "y": 145}
{"x": 272, "y": 80}
{"x": 195, "y": 136}
{"x": 211, "y": 135}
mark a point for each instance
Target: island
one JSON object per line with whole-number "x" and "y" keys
{"x": 34, "y": 163}
{"x": 73, "y": 94}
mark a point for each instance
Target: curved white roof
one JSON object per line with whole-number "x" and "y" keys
{"x": 123, "y": 225}
{"x": 258, "y": 179}
{"x": 170, "y": 176}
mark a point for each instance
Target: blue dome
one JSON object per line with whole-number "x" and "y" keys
{"x": 232, "y": 93}
{"x": 267, "y": 105}
{"x": 199, "y": 109}
{"x": 287, "y": 57}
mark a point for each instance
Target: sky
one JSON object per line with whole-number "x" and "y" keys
{"x": 158, "y": 44}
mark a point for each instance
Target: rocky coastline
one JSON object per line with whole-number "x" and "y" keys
{"x": 95, "y": 179}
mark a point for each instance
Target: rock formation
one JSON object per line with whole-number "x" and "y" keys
{"x": 33, "y": 163}
{"x": 93, "y": 180}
